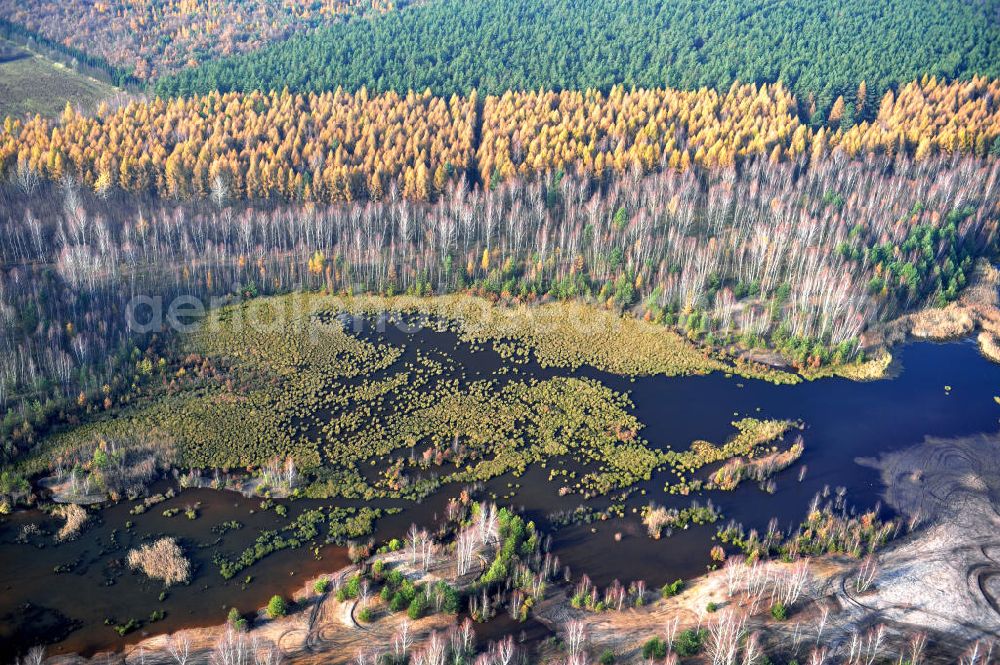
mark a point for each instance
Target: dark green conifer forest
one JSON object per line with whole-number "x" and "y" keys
{"x": 818, "y": 47}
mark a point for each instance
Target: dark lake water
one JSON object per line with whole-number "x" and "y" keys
{"x": 843, "y": 420}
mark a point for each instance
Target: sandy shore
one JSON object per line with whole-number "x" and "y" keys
{"x": 977, "y": 309}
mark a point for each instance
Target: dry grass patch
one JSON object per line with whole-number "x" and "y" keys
{"x": 75, "y": 517}
{"x": 162, "y": 560}
{"x": 31, "y": 84}
{"x": 989, "y": 345}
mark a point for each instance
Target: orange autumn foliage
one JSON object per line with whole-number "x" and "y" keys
{"x": 339, "y": 146}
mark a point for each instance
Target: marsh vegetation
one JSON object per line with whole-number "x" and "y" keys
{"x": 292, "y": 380}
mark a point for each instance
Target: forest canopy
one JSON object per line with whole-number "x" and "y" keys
{"x": 819, "y": 47}
{"x": 141, "y": 39}
{"x": 338, "y": 146}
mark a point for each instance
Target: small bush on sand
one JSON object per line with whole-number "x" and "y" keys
{"x": 654, "y": 649}
{"x": 276, "y": 607}
{"x": 689, "y": 642}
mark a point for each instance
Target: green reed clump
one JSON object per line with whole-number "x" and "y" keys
{"x": 827, "y": 529}
{"x": 343, "y": 523}
{"x": 657, "y": 518}
{"x": 564, "y": 334}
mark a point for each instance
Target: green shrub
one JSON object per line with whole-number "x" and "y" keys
{"x": 689, "y": 642}
{"x": 365, "y": 615}
{"x": 349, "y": 590}
{"x": 779, "y": 611}
{"x": 655, "y": 648}
{"x": 452, "y": 601}
{"x": 418, "y": 606}
{"x": 236, "y": 620}
{"x": 276, "y": 607}
{"x": 403, "y": 596}
{"x": 127, "y": 627}
{"x": 711, "y": 607}
{"x": 672, "y": 588}
{"x": 394, "y": 578}
{"x": 353, "y": 586}
{"x": 399, "y": 602}
{"x": 322, "y": 585}
{"x": 607, "y": 657}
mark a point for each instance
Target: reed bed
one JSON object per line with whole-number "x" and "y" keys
{"x": 289, "y": 381}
